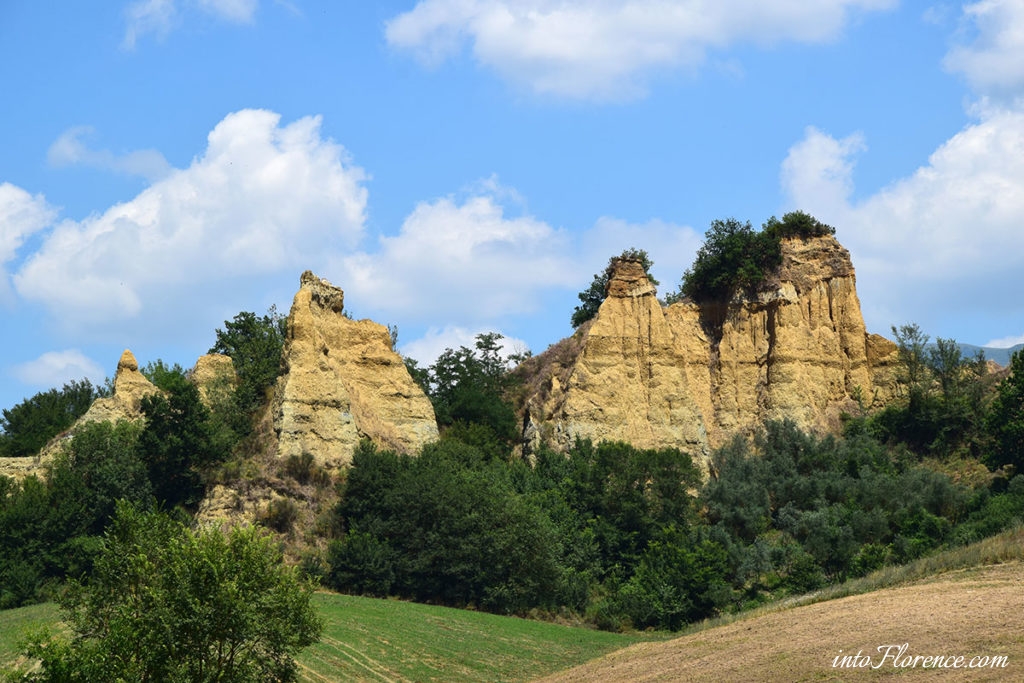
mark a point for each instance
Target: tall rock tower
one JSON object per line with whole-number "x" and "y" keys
{"x": 342, "y": 382}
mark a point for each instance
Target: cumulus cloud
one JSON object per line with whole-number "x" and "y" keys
{"x": 945, "y": 239}
{"x": 69, "y": 150}
{"x": 427, "y": 348}
{"x": 991, "y": 59}
{"x": 462, "y": 258}
{"x": 159, "y": 17}
{"x": 1005, "y": 342}
{"x": 56, "y": 368}
{"x": 263, "y": 198}
{"x": 607, "y": 49}
{"x": 21, "y": 215}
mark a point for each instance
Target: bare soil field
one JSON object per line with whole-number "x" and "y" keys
{"x": 977, "y": 612}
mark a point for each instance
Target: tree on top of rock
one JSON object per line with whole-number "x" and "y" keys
{"x": 594, "y": 295}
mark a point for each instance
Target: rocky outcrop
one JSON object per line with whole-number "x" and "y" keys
{"x": 691, "y": 376}
{"x": 130, "y": 387}
{"x": 628, "y": 380}
{"x": 214, "y": 375}
{"x": 342, "y": 381}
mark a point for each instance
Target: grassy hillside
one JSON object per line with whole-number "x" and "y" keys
{"x": 966, "y": 602}
{"x": 387, "y": 640}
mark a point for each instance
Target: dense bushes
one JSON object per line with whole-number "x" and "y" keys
{"x": 846, "y": 504}
{"x": 444, "y": 527}
{"x": 735, "y": 257}
{"x": 25, "y": 428}
{"x": 168, "y": 604}
{"x": 601, "y": 531}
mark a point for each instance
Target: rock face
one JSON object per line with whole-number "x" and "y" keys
{"x": 214, "y": 376}
{"x": 342, "y": 382}
{"x": 626, "y": 380}
{"x": 691, "y": 376}
{"x": 130, "y": 387}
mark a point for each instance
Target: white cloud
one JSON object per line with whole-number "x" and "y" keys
{"x": 69, "y": 149}
{"x": 465, "y": 260}
{"x": 607, "y": 49}
{"x": 945, "y": 241}
{"x": 237, "y": 11}
{"x": 1005, "y": 342}
{"x": 56, "y": 368}
{"x": 821, "y": 167}
{"x": 21, "y": 215}
{"x": 148, "y": 16}
{"x": 992, "y": 61}
{"x": 161, "y": 16}
{"x": 262, "y": 199}
{"x": 427, "y": 348}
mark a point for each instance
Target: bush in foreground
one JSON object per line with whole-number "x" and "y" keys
{"x": 167, "y": 604}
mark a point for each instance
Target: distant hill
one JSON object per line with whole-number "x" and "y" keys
{"x": 1001, "y": 356}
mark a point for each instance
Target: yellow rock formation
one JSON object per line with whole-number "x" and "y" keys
{"x": 691, "y": 376}
{"x": 342, "y": 381}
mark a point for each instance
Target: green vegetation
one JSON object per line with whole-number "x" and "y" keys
{"x": 469, "y": 391}
{"x": 25, "y": 428}
{"x": 612, "y": 534}
{"x": 945, "y": 412}
{"x": 50, "y": 529}
{"x": 164, "y": 603}
{"x": 179, "y": 442}
{"x": 254, "y": 344}
{"x": 1005, "y": 420}
{"x": 735, "y": 257}
{"x": 369, "y": 639}
{"x": 593, "y": 296}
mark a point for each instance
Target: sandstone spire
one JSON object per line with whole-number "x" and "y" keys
{"x": 342, "y": 381}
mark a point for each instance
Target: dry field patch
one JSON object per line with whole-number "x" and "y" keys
{"x": 972, "y": 612}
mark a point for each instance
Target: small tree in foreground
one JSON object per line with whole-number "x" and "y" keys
{"x": 167, "y": 604}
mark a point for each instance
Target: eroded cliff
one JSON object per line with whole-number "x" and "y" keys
{"x": 341, "y": 382}
{"x": 691, "y": 375}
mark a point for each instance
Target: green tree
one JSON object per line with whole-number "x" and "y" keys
{"x": 167, "y": 604}
{"x": 1005, "y": 419}
{"x": 162, "y": 375}
{"x": 796, "y": 224}
{"x": 735, "y": 257}
{"x": 593, "y": 296}
{"x": 179, "y": 442}
{"x": 469, "y": 386}
{"x": 254, "y": 344}
{"x": 29, "y": 425}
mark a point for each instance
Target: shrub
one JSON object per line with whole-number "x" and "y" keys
{"x": 25, "y": 428}
{"x": 168, "y": 604}
{"x": 735, "y": 257}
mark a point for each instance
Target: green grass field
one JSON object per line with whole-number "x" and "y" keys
{"x": 16, "y": 624}
{"x": 388, "y": 640}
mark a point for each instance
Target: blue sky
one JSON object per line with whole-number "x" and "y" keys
{"x": 459, "y": 166}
